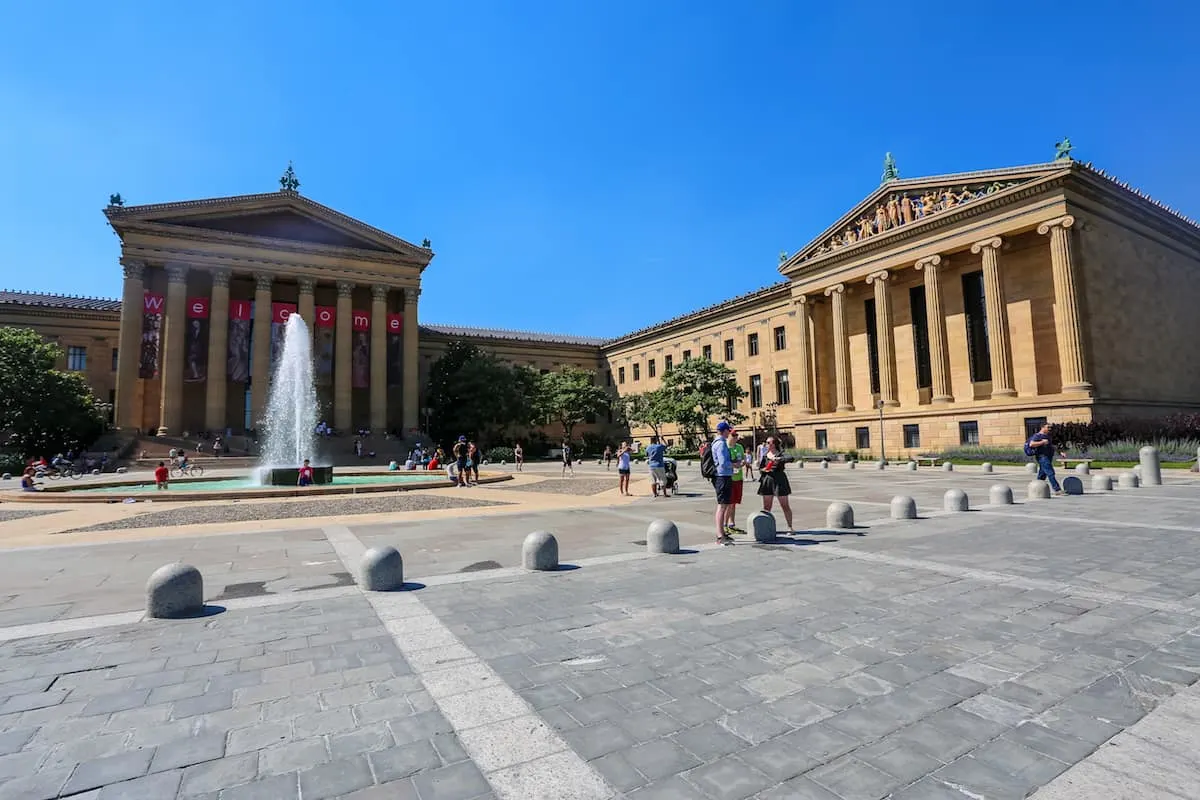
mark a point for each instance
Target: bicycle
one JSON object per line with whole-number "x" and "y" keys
{"x": 63, "y": 472}
{"x": 190, "y": 471}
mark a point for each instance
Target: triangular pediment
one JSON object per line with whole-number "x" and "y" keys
{"x": 280, "y": 216}
{"x": 903, "y": 204}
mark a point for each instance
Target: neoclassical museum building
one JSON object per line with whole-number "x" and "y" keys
{"x": 958, "y": 309}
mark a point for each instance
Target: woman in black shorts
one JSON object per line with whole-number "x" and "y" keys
{"x": 773, "y": 481}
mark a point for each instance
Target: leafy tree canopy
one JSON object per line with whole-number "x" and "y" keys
{"x": 569, "y": 396}
{"x": 475, "y": 393}
{"x": 701, "y": 389}
{"x": 652, "y": 409}
{"x": 43, "y": 411}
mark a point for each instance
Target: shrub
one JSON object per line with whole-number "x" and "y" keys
{"x": 1176, "y": 450}
{"x": 996, "y": 455}
{"x": 497, "y": 454}
{"x": 11, "y": 463}
{"x": 1085, "y": 436}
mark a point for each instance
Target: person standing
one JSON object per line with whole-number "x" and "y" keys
{"x": 723, "y": 480}
{"x": 656, "y": 461}
{"x": 623, "y": 468}
{"x": 1042, "y": 447}
{"x": 608, "y": 456}
{"x": 305, "y": 477}
{"x": 473, "y": 458}
{"x": 773, "y": 481}
{"x": 460, "y": 460}
{"x": 519, "y": 457}
{"x": 738, "y": 455}
{"x": 566, "y": 459}
{"x": 161, "y": 476}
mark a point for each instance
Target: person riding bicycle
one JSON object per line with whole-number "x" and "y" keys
{"x": 183, "y": 463}
{"x": 59, "y": 462}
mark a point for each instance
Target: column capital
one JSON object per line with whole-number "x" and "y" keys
{"x": 379, "y": 292}
{"x": 345, "y": 288}
{"x": 837, "y": 288}
{"x": 307, "y": 285}
{"x": 133, "y": 268}
{"x": 801, "y": 300}
{"x": 1063, "y": 222}
{"x": 881, "y": 276}
{"x": 177, "y": 273}
{"x": 262, "y": 281}
{"x": 410, "y": 296}
{"x": 929, "y": 261}
{"x": 992, "y": 243}
{"x": 220, "y": 277}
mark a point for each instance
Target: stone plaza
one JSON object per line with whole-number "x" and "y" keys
{"x": 1045, "y": 648}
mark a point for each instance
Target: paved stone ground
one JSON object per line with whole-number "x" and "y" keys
{"x": 968, "y": 655}
{"x": 10, "y": 514}
{"x": 582, "y": 485}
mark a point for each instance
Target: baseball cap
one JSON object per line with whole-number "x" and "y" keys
{"x": 723, "y": 426}
{"x": 462, "y": 438}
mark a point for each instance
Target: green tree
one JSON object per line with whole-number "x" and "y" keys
{"x": 569, "y": 396}
{"x": 475, "y": 393}
{"x": 43, "y": 410}
{"x": 652, "y": 409}
{"x": 700, "y": 389}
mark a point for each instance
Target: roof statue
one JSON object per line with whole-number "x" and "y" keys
{"x": 1062, "y": 150}
{"x": 115, "y": 200}
{"x": 783, "y": 256}
{"x": 426, "y": 244}
{"x": 288, "y": 181}
{"x": 890, "y": 173}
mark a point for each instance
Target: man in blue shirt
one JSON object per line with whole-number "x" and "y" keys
{"x": 656, "y": 461}
{"x": 723, "y": 482}
{"x": 1043, "y": 450}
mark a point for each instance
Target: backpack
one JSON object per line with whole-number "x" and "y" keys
{"x": 1029, "y": 449}
{"x": 708, "y": 467}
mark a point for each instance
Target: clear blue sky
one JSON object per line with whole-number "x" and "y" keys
{"x": 580, "y": 167}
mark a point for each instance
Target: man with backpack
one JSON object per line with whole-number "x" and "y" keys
{"x": 1041, "y": 448}
{"x": 716, "y": 464}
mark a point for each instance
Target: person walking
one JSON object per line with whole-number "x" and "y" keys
{"x": 656, "y": 461}
{"x": 623, "y": 468}
{"x": 608, "y": 457}
{"x": 738, "y": 454}
{"x": 722, "y": 480}
{"x": 773, "y": 481}
{"x": 566, "y": 459}
{"x": 1042, "y": 448}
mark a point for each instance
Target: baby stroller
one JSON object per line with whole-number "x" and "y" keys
{"x": 672, "y": 471}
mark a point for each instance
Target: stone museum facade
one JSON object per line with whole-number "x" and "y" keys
{"x": 959, "y": 309}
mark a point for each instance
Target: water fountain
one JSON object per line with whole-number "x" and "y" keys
{"x": 292, "y": 412}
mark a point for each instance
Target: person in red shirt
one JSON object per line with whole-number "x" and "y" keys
{"x": 161, "y": 474}
{"x": 306, "y": 475}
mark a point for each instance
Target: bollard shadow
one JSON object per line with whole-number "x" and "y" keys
{"x": 565, "y": 568}
{"x": 207, "y": 610}
{"x": 854, "y": 530}
{"x": 795, "y": 540}
{"x": 406, "y": 586}
{"x": 683, "y": 551}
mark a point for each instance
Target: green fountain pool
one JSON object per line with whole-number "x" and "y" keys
{"x": 233, "y": 484}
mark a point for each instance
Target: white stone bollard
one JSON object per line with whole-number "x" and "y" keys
{"x": 1137, "y": 470}
{"x": 955, "y": 500}
{"x": 122, "y": 470}
{"x": 1031, "y": 468}
{"x": 1101, "y": 483}
{"x": 904, "y": 507}
{"x": 540, "y": 551}
{"x": 881, "y": 465}
{"x": 662, "y": 536}
{"x": 1151, "y": 473}
{"x": 839, "y": 515}
{"x": 1038, "y": 490}
{"x": 947, "y": 466}
{"x": 824, "y": 465}
{"x": 1083, "y": 468}
{"x": 986, "y": 467}
{"x": 1000, "y": 495}
{"x": 1128, "y": 480}
{"x": 912, "y": 466}
{"x": 762, "y": 525}
{"x": 381, "y": 570}
{"x": 1072, "y": 485}
{"x": 174, "y": 590}
{"x": 850, "y": 464}
{"x": 6, "y": 476}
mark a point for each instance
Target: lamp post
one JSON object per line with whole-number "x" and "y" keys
{"x": 882, "y": 451}
{"x": 428, "y": 412}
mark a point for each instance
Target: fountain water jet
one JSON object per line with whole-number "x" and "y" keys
{"x": 292, "y": 412}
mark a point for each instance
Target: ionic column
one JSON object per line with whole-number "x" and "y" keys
{"x": 997, "y": 318}
{"x": 379, "y": 358}
{"x": 1066, "y": 306}
{"x": 342, "y": 355}
{"x": 307, "y": 307}
{"x": 260, "y": 353}
{"x": 885, "y": 334}
{"x": 129, "y": 346}
{"x": 841, "y": 347}
{"x": 804, "y": 384}
{"x": 218, "y": 341}
{"x": 410, "y": 380}
{"x": 938, "y": 365}
{"x": 170, "y": 401}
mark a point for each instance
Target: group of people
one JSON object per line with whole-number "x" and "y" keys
{"x": 731, "y": 466}
{"x": 465, "y": 468}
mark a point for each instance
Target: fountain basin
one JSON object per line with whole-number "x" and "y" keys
{"x": 290, "y": 476}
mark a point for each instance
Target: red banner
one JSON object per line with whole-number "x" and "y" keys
{"x": 152, "y": 303}
{"x": 281, "y": 311}
{"x": 360, "y": 320}
{"x": 152, "y": 316}
{"x": 395, "y": 323}
{"x": 239, "y": 309}
{"x": 197, "y": 308}
{"x": 326, "y": 316}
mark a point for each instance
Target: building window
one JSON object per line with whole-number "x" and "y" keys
{"x": 687, "y": 355}
{"x": 112, "y": 404}
{"x": 1033, "y": 425}
{"x": 620, "y": 374}
{"x": 862, "y": 438}
{"x": 77, "y": 358}
{"x": 706, "y": 352}
{"x": 729, "y": 349}
{"x": 114, "y": 364}
{"x": 667, "y": 363}
{"x": 912, "y": 436}
{"x": 977, "y": 341}
{"x": 608, "y": 377}
{"x": 731, "y": 402}
{"x": 872, "y": 344}
{"x": 637, "y": 372}
{"x": 780, "y": 338}
{"x": 920, "y": 325}
{"x": 821, "y": 439}
{"x": 756, "y": 391}
{"x": 752, "y": 344}
{"x": 650, "y": 369}
{"x": 968, "y": 433}
{"x": 783, "y": 392}
{"x": 545, "y": 371}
